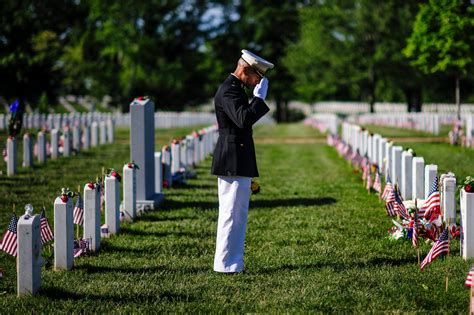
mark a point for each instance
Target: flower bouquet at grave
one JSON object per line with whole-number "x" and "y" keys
{"x": 254, "y": 187}
{"x": 399, "y": 231}
{"x": 112, "y": 172}
{"x": 133, "y": 165}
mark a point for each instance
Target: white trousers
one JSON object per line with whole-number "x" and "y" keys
{"x": 234, "y": 196}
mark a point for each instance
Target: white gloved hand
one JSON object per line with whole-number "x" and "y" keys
{"x": 260, "y": 89}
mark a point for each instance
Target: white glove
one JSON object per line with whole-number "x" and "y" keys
{"x": 260, "y": 89}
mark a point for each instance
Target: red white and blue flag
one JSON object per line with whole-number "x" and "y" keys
{"x": 390, "y": 203}
{"x": 414, "y": 233}
{"x": 432, "y": 204}
{"x": 9, "y": 240}
{"x": 387, "y": 191}
{"x": 80, "y": 247}
{"x": 440, "y": 247}
{"x": 46, "y": 232}
{"x": 377, "y": 183}
{"x": 78, "y": 215}
{"x": 400, "y": 207}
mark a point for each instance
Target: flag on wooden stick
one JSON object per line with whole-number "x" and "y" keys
{"x": 432, "y": 204}
{"x": 440, "y": 247}
{"x": 387, "y": 191}
{"x": 78, "y": 215}
{"x": 9, "y": 240}
{"x": 46, "y": 232}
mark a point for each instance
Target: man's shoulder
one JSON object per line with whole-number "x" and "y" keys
{"x": 230, "y": 86}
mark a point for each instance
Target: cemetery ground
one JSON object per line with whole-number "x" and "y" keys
{"x": 316, "y": 240}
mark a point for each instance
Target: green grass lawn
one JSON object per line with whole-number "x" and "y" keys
{"x": 316, "y": 241}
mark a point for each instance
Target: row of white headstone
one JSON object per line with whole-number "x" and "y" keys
{"x": 385, "y": 107}
{"x": 75, "y": 138}
{"x": 414, "y": 178}
{"x": 29, "y": 259}
{"x": 324, "y": 122}
{"x": 140, "y": 192}
{"x": 28, "y": 230}
{"x": 58, "y": 121}
{"x": 427, "y": 122}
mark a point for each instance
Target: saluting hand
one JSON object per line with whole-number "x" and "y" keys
{"x": 260, "y": 89}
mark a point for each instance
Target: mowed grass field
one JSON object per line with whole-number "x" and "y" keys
{"x": 316, "y": 241}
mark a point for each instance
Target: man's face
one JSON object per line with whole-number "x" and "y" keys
{"x": 252, "y": 77}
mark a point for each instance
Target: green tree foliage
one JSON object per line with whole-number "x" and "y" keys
{"x": 443, "y": 39}
{"x": 266, "y": 28}
{"x": 32, "y": 34}
{"x": 352, "y": 50}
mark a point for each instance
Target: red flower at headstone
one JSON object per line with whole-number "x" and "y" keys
{"x": 64, "y": 198}
{"x": 468, "y": 188}
{"x": 140, "y": 98}
{"x": 91, "y": 185}
{"x": 166, "y": 184}
{"x": 130, "y": 165}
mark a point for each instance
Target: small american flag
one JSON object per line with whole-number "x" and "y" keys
{"x": 387, "y": 191}
{"x": 440, "y": 247}
{"x": 9, "y": 240}
{"x": 469, "y": 278}
{"x": 78, "y": 216}
{"x": 80, "y": 247}
{"x": 369, "y": 181}
{"x": 390, "y": 204}
{"x": 414, "y": 234}
{"x": 432, "y": 204}
{"x": 377, "y": 183}
{"x": 400, "y": 207}
{"x": 46, "y": 232}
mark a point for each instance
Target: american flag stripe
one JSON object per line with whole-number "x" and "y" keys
{"x": 78, "y": 215}
{"x": 9, "y": 240}
{"x": 440, "y": 247}
{"x": 432, "y": 204}
{"x": 369, "y": 181}
{"x": 387, "y": 189}
{"x": 469, "y": 278}
{"x": 377, "y": 183}
{"x": 9, "y": 243}
{"x": 390, "y": 209}
{"x": 414, "y": 234}
{"x": 46, "y": 233}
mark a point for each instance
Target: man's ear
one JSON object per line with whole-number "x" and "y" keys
{"x": 246, "y": 71}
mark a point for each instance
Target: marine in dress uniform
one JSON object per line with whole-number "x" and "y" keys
{"x": 234, "y": 160}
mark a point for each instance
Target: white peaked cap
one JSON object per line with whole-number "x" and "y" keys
{"x": 258, "y": 63}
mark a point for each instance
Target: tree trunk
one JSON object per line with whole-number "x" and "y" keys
{"x": 414, "y": 99}
{"x": 280, "y": 110}
{"x": 458, "y": 97}
{"x": 372, "y": 89}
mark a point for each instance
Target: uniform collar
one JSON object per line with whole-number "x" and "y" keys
{"x": 236, "y": 80}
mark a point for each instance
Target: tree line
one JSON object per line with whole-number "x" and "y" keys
{"x": 178, "y": 52}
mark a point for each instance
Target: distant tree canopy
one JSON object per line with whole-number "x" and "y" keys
{"x": 443, "y": 39}
{"x": 178, "y": 52}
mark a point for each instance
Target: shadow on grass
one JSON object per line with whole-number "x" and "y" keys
{"x": 266, "y": 203}
{"x": 339, "y": 266}
{"x": 194, "y": 186}
{"x": 140, "y": 270}
{"x": 61, "y": 294}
